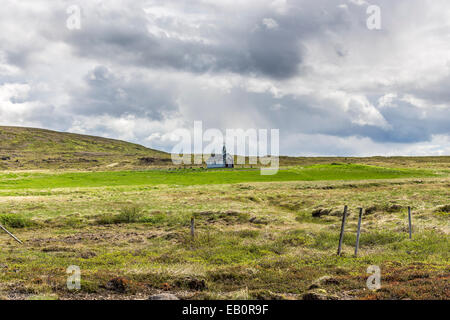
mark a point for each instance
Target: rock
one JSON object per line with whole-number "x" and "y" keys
{"x": 163, "y": 296}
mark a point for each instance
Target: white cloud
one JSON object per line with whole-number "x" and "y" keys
{"x": 326, "y": 145}
{"x": 270, "y": 23}
{"x": 359, "y": 2}
{"x": 137, "y": 70}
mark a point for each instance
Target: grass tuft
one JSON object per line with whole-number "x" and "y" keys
{"x": 15, "y": 221}
{"x": 130, "y": 214}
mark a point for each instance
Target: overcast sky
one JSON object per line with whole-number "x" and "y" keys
{"x": 137, "y": 70}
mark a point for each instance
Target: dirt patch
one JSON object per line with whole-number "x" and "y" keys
{"x": 319, "y": 212}
{"x": 57, "y": 249}
{"x": 112, "y": 235}
{"x": 87, "y": 254}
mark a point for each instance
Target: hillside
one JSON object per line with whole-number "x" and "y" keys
{"x": 30, "y": 148}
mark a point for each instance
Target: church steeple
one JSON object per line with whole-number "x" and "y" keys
{"x": 224, "y": 154}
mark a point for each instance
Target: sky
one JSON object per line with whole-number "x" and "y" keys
{"x": 138, "y": 70}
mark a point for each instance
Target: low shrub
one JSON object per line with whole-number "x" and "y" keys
{"x": 15, "y": 221}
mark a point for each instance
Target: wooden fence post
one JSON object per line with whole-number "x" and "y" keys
{"x": 410, "y": 222}
{"x": 341, "y": 237}
{"x": 358, "y": 231}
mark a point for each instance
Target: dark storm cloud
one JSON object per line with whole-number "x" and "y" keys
{"x": 106, "y": 93}
{"x": 240, "y": 44}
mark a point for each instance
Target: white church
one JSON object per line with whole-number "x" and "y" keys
{"x": 224, "y": 160}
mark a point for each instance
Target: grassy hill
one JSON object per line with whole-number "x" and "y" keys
{"x": 30, "y": 148}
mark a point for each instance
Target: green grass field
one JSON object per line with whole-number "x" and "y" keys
{"x": 202, "y": 176}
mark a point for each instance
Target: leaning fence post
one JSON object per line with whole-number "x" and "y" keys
{"x": 192, "y": 228}
{"x": 410, "y": 223}
{"x": 13, "y": 236}
{"x": 341, "y": 237}
{"x": 358, "y": 231}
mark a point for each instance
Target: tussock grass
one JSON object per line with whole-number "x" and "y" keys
{"x": 15, "y": 221}
{"x": 131, "y": 214}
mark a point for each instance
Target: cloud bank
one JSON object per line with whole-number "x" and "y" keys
{"x": 138, "y": 70}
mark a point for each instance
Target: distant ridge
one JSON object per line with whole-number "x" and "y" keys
{"x": 33, "y": 148}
